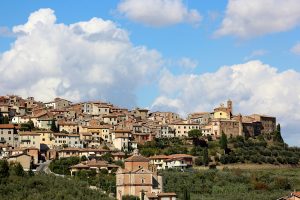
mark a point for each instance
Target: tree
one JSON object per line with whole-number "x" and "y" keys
{"x": 130, "y": 197}
{"x": 195, "y": 134}
{"x": 30, "y": 125}
{"x": 18, "y": 169}
{"x": 83, "y": 158}
{"x": 205, "y": 157}
{"x": 53, "y": 126}
{"x": 277, "y": 135}
{"x": 5, "y": 120}
{"x": 223, "y": 141}
{"x": 4, "y": 169}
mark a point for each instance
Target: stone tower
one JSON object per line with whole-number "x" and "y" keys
{"x": 229, "y": 106}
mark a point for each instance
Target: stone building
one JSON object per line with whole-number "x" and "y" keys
{"x": 137, "y": 178}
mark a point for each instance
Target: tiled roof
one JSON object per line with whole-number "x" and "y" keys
{"x": 7, "y": 126}
{"x": 137, "y": 158}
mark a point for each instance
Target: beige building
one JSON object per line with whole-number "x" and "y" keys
{"x": 182, "y": 129}
{"x": 30, "y": 139}
{"x": 9, "y": 135}
{"x": 223, "y": 112}
{"x": 137, "y": 178}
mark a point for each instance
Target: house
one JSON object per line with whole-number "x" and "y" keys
{"x": 122, "y": 139}
{"x": 70, "y": 127}
{"x": 110, "y": 119}
{"x": 69, "y": 140}
{"x": 9, "y": 135}
{"x": 178, "y": 161}
{"x": 136, "y": 178}
{"x": 223, "y": 112}
{"x": 58, "y": 103}
{"x": 24, "y": 159}
{"x": 181, "y": 129}
{"x": 30, "y": 139}
{"x": 96, "y": 165}
{"x": 140, "y": 113}
{"x": 47, "y": 140}
{"x": 229, "y": 127}
{"x": 161, "y": 196}
{"x": 292, "y": 196}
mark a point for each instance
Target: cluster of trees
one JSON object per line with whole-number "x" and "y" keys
{"x": 103, "y": 180}
{"x": 261, "y": 150}
{"x": 19, "y": 185}
{"x": 4, "y": 119}
{"x": 228, "y": 184}
{"x": 165, "y": 146}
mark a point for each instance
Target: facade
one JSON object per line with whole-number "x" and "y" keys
{"x": 30, "y": 139}
{"x": 177, "y": 161}
{"x": 9, "y": 135}
{"x": 182, "y": 129}
{"x": 136, "y": 178}
{"x": 69, "y": 140}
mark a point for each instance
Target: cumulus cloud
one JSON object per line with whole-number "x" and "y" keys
{"x": 253, "y": 86}
{"x": 246, "y": 19}
{"x": 187, "y": 63}
{"x": 296, "y": 49}
{"x": 86, "y": 60}
{"x": 158, "y": 13}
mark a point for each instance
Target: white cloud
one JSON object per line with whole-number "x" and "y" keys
{"x": 296, "y": 49}
{"x": 85, "y": 60}
{"x": 253, "y": 86}
{"x": 158, "y": 13}
{"x": 246, "y": 19}
{"x": 188, "y": 63}
{"x": 256, "y": 53}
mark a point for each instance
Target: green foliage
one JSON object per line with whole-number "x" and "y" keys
{"x": 53, "y": 126}
{"x": 165, "y": 146}
{"x": 205, "y": 157}
{"x": 18, "y": 169}
{"x": 83, "y": 158}
{"x": 195, "y": 133}
{"x": 5, "y": 120}
{"x": 226, "y": 184}
{"x": 61, "y": 166}
{"x": 41, "y": 187}
{"x": 107, "y": 157}
{"x": 130, "y": 197}
{"x": 223, "y": 141}
{"x": 119, "y": 163}
{"x": 4, "y": 169}
{"x": 277, "y": 135}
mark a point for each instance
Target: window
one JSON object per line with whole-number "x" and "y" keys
{"x": 143, "y": 180}
{"x": 9, "y": 138}
{"x": 43, "y": 139}
{"x": 9, "y": 132}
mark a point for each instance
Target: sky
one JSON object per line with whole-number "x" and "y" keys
{"x": 170, "y": 55}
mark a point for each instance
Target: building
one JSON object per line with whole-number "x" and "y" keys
{"x": 177, "y": 161}
{"x": 229, "y": 127}
{"x": 122, "y": 139}
{"x": 96, "y": 165}
{"x": 182, "y": 129}
{"x": 136, "y": 178}
{"x": 69, "y": 140}
{"x": 9, "y": 135}
{"x": 223, "y": 112}
{"x": 30, "y": 139}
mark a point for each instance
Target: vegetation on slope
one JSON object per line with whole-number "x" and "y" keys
{"x": 231, "y": 184}
{"x": 18, "y": 185}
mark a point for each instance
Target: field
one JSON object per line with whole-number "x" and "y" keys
{"x": 233, "y": 184}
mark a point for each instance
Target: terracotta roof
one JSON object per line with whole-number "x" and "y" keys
{"x": 122, "y": 131}
{"x": 29, "y": 133}
{"x": 137, "y": 158}
{"x": 80, "y": 166}
{"x": 7, "y": 126}
{"x": 166, "y": 194}
{"x": 159, "y": 157}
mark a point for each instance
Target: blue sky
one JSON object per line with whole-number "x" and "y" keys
{"x": 170, "y": 57}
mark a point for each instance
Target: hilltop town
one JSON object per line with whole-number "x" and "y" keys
{"x": 32, "y": 132}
